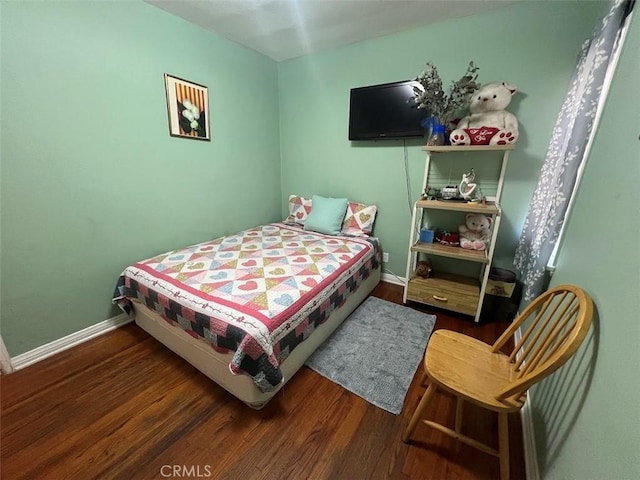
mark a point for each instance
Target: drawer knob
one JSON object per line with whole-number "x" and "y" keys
{"x": 440, "y": 299}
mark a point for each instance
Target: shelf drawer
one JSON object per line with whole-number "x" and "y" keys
{"x": 448, "y": 291}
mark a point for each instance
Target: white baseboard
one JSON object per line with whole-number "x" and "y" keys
{"x": 390, "y": 278}
{"x": 5, "y": 360}
{"x": 528, "y": 437}
{"x": 45, "y": 351}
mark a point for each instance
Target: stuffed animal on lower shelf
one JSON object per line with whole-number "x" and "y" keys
{"x": 476, "y": 232}
{"x": 489, "y": 122}
{"x": 423, "y": 269}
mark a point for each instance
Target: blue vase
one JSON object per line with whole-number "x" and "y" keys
{"x": 437, "y": 136}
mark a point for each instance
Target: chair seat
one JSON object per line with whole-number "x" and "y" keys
{"x": 467, "y": 367}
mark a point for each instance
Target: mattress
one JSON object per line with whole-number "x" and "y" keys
{"x": 255, "y": 296}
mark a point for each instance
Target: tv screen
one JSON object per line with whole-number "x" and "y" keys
{"x": 384, "y": 112}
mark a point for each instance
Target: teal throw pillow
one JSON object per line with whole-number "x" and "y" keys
{"x": 326, "y": 215}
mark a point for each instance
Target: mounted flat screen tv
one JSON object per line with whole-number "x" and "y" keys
{"x": 384, "y": 111}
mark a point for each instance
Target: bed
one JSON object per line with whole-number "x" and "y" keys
{"x": 248, "y": 309}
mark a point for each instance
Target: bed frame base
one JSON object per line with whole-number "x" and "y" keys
{"x": 215, "y": 365}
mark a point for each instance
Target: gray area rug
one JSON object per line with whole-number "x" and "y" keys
{"x": 375, "y": 352}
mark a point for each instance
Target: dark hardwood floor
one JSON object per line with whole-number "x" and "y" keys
{"x": 123, "y": 406}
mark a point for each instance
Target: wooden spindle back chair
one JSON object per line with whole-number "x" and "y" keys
{"x": 554, "y": 326}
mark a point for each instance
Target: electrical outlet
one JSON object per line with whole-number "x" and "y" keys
{"x": 385, "y": 257}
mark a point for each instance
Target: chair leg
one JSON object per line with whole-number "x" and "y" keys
{"x": 426, "y": 398}
{"x": 423, "y": 377}
{"x": 503, "y": 445}
{"x": 458, "y": 424}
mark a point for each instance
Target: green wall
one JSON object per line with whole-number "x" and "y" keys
{"x": 532, "y": 44}
{"x": 586, "y": 416}
{"x": 91, "y": 179}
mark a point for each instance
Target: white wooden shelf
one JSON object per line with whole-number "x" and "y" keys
{"x": 485, "y": 209}
{"x": 479, "y": 256}
{"x": 468, "y": 148}
{"x": 448, "y": 290}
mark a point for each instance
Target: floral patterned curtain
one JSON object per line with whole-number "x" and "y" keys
{"x": 566, "y": 150}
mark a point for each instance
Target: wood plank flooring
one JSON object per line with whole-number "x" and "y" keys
{"x": 122, "y": 406}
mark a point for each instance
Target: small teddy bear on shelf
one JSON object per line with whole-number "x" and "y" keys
{"x": 489, "y": 122}
{"x": 475, "y": 234}
{"x": 423, "y": 269}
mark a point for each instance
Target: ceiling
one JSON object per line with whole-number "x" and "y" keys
{"x": 284, "y": 29}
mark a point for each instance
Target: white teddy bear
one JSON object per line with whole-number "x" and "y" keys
{"x": 476, "y": 233}
{"x": 489, "y": 123}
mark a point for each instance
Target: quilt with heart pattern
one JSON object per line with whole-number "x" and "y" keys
{"x": 259, "y": 292}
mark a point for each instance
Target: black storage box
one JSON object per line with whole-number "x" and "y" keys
{"x": 502, "y": 297}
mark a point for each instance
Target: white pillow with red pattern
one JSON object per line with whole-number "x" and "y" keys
{"x": 299, "y": 209}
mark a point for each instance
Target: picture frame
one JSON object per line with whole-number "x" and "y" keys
{"x": 187, "y": 108}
